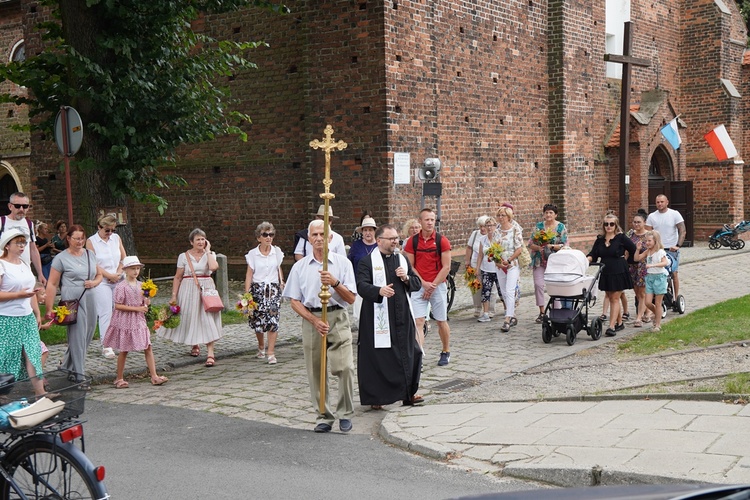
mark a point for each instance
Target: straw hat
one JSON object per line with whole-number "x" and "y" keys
{"x": 130, "y": 261}
{"x": 10, "y": 234}
{"x": 367, "y": 222}
{"x": 321, "y": 211}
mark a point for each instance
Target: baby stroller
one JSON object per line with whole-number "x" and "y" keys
{"x": 669, "y": 301}
{"x": 727, "y": 236}
{"x": 571, "y": 294}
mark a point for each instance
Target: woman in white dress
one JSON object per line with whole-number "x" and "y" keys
{"x": 196, "y": 325}
{"x": 107, "y": 246}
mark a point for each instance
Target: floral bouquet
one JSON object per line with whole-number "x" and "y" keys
{"x": 544, "y": 236}
{"x": 61, "y": 312}
{"x": 495, "y": 252}
{"x": 470, "y": 276}
{"x": 149, "y": 288}
{"x": 166, "y": 315}
{"x": 246, "y": 305}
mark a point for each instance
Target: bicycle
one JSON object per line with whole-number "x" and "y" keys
{"x": 43, "y": 461}
{"x": 450, "y": 282}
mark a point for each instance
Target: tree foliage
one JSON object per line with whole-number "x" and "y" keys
{"x": 143, "y": 81}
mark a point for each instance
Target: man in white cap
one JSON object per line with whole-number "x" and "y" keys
{"x": 359, "y": 249}
{"x": 336, "y": 244}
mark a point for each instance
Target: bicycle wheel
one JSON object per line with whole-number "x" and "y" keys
{"x": 451, "y": 290}
{"x": 43, "y": 467}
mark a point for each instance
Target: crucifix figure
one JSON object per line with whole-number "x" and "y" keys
{"x": 627, "y": 61}
{"x": 327, "y": 145}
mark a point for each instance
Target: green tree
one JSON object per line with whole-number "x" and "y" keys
{"x": 144, "y": 83}
{"x": 745, "y": 10}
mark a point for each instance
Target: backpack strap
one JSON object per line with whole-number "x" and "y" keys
{"x": 438, "y": 247}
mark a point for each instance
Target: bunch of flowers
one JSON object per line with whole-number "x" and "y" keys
{"x": 166, "y": 315}
{"x": 61, "y": 312}
{"x": 149, "y": 288}
{"x": 246, "y": 305}
{"x": 472, "y": 281}
{"x": 495, "y": 252}
{"x": 544, "y": 236}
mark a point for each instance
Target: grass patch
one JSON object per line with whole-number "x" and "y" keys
{"x": 737, "y": 383}
{"x": 720, "y": 323}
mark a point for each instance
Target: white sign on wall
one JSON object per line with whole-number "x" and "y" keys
{"x": 402, "y": 168}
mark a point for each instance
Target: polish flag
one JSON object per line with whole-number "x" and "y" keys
{"x": 720, "y": 142}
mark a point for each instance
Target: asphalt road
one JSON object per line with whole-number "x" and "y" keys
{"x": 152, "y": 451}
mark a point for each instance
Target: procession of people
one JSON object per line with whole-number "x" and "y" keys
{"x": 395, "y": 282}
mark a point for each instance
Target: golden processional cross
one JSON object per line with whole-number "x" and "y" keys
{"x": 327, "y": 145}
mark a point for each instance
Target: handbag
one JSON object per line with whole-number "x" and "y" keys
{"x": 72, "y": 305}
{"x": 35, "y": 413}
{"x": 524, "y": 258}
{"x": 211, "y": 301}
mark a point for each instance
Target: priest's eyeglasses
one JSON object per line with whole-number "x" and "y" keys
{"x": 395, "y": 238}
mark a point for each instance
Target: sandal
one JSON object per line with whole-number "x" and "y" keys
{"x": 376, "y": 407}
{"x": 196, "y": 351}
{"x": 261, "y": 354}
{"x": 505, "y": 327}
{"x": 121, "y": 384}
{"x": 625, "y": 316}
{"x": 272, "y": 359}
{"x": 637, "y": 323}
{"x": 513, "y": 321}
{"x": 539, "y": 318}
{"x": 210, "y": 361}
{"x": 648, "y": 320}
{"x": 159, "y": 380}
{"x": 603, "y": 317}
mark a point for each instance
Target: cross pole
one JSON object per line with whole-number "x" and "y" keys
{"x": 627, "y": 61}
{"x": 327, "y": 145}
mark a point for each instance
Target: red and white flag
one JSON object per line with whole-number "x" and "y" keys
{"x": 720, "y": 142}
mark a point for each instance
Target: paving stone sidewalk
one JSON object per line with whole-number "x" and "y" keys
{"x": 243, "y": 386}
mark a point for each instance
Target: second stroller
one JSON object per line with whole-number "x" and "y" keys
{"x": 570, "y": 289}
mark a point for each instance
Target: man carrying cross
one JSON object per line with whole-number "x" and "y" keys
{"x": 302, "y": 287}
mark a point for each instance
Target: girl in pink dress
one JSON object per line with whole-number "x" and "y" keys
{"x": 128, "y": 330}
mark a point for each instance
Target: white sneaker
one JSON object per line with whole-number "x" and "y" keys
{"x": 108, "y": 353}
{"x": 484, "y": 318}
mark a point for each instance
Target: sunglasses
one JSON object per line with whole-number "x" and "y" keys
{"x": 19, "y": 206}
{"x": 268, "y": 235}
{"x": 610, "y": 224}
{"x": 108, "y": 231}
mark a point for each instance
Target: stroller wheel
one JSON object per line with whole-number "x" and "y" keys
{"x": 546, "y": 332}
{"x": 736, "y": 244}
{"x": 679, "y": 304}
{"x": 570, "y": 335}
{"x": 663, "y": 309}
{"x": 713, "y": 244}
{"x": 595, "y": 329}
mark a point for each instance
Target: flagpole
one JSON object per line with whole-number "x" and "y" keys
{"x": 327, "y": 145}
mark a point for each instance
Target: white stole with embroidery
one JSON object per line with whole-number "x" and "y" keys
{"x": 381, "y": 322}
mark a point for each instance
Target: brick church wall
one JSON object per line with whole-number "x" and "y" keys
{"x": 512, "y": 98}
{"x": 709, "y": 58}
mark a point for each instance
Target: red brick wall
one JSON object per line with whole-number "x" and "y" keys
{"x": 512, "y": 98}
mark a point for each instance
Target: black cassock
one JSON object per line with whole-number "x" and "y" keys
{"x": 387, "y": 375}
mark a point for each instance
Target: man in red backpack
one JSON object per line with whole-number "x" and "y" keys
{"x": 19, "y": 205}
{"x": 429, "y": 253}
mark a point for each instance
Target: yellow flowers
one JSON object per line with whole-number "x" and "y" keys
{"x": 495, "y": 252}
{"x": 61, "y": 312}
{"x": 472, "y": 281}
{"x": 543, "y": 236}
{"x": 246, "y": 305}
{"x": 149, "y": 288}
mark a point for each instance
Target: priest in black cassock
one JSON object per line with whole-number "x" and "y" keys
{"x": 389, "y": 359}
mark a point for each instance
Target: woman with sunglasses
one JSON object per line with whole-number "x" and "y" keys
{"x": 612, "y": 247}
{"x": 265, "y": 281}
{"x": 107, "y": 246}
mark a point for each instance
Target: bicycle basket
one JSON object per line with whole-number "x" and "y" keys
{"x": 60, "y": 385}
{"x": 455, "y": 265}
